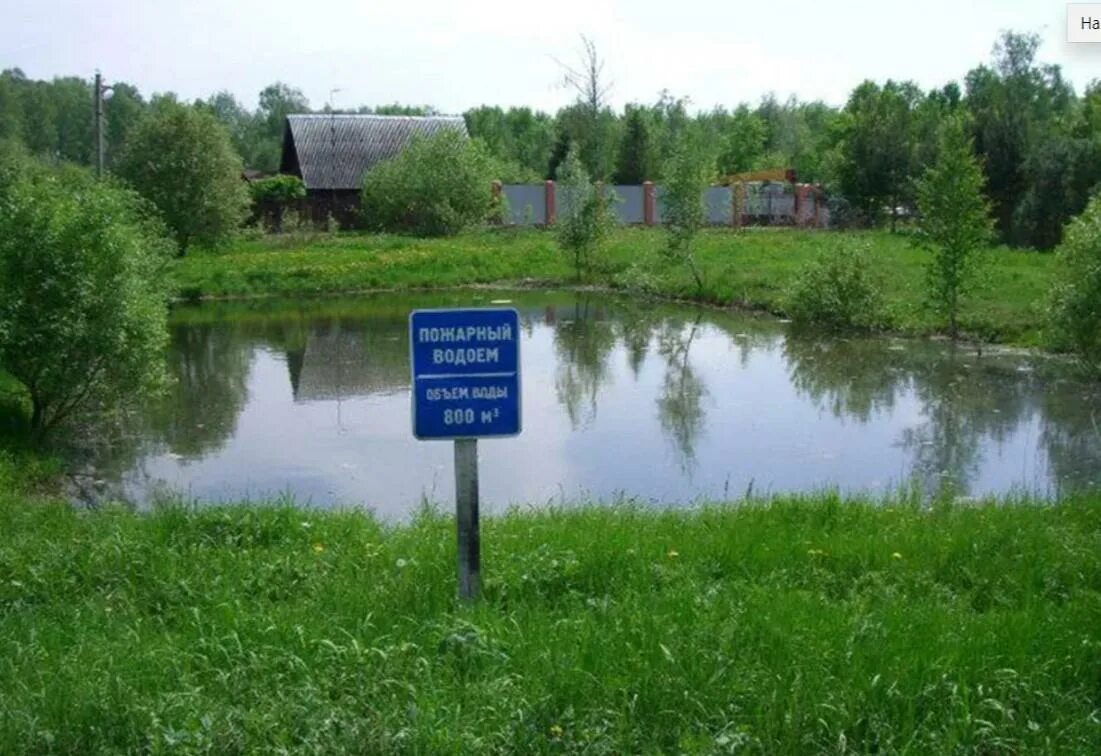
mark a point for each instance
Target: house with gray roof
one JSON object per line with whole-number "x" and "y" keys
{"x": 331, "y": 154}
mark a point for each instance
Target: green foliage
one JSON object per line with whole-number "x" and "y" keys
{"x": 1075, "y": 300}
{"x": 1016, "y": 107}
{"x": 1061, "y": 171}
{"x": 687, "y": 173}
{"x": 638, "y": 159}
{"x": 878, "y": 156}
{"x": 282, "y": 189}
{"x": 585, "y": 217}
{"x": 520, "y": 137}
{"x": 436, "y": 186}
{"x": 955, "y": 220}
{"x": 837, "y": 291}
{"x": 181, "y": 160}
{"x": 82, "y": 300}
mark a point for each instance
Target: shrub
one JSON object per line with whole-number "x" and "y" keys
{"x": 584, "y": 218}
{"x": 1075, "y": 300}
{"x": 82, "y": 301}
{"x": 272, "y": 197}
{"x": 280, "y": 189}
{"x": 181, "y": 159}
{"x": 437, "y": 186}
{"x": 837, "y": 291}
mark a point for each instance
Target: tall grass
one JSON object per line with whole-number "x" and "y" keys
{"x": 800, "y": 625}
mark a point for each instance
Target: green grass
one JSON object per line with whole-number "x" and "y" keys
{"x": 747, "y": 269}
{"x": 799, "y": 626}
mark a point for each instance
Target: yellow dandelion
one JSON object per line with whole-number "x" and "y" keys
{"x": 673, "y": 554}
{"x": 556, "y": 731}
{"x": 318, "y": 548}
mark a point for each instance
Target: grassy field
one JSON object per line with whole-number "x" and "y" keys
{"x": 749, "y": 269}
{"x": 794, "y": 627}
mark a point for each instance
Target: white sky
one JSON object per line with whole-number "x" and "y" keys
{"x": 455, "y": 54}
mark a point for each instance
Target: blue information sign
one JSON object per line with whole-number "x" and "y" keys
{"x": 466, "y": 373}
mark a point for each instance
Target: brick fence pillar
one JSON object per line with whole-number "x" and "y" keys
{"x": 648, "y": 204}
{"x": 548, "y": 199}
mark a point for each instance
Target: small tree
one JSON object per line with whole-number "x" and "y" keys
{"x": 955, "y": 220}
{"x": 82, "y": 305}
{"x": 687, "y": 175}
{"x": 182, "y": 160}
{"x": 437, "y": 186}
{"x": 585, "y": 218}
{"x": 1075, "y": 301}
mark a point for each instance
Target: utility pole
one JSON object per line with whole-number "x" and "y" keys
{"x": 98, "y": 96}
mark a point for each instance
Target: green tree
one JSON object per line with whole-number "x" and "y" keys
{"x": 1075, "y": 300}
{"x": 519, "y": 137}
{"x": 121, "y": 111}
{"x": 955, "y": 220}
{"x": 83, "y": 310}
{"x": 877, "y": 148}
{"x": 638, "y": 159}
{"x": 741, "y": 137}
{"x": 243, "y": 127}
{"x": 11, "y": 108}
{"x": 1014, "y": 105}
{"x": 181, "y": 159}
{"x": 437, "y": 186}
{"x": 585, "y": 219}
{"x": 687, "y": 174}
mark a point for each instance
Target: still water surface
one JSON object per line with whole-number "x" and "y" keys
{"x": 621, "y": 399}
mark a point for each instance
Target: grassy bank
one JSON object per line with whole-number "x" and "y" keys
{"x": 803, "y": 626}
{"x": 750, "y": 269}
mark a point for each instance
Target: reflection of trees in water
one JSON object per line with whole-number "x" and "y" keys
{"x": 965, "y": 398}
{"x": 845, "y": 376}
{"x": 635, "y": 327}
{"x": 1071, "y": 434}
{"x": 583, "y": 343}
{"x": 208, "y": 371}
{"x": 209, "y": 368}
{"x": 680, "y": 409}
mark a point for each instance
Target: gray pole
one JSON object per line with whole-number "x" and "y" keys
{"x": 99, "y": 123}
{"x": 466, "y": 517}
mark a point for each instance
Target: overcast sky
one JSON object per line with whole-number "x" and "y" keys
{"x": 454, "y": 54}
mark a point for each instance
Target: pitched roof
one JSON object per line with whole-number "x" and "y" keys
{"x": 334, "y": 151}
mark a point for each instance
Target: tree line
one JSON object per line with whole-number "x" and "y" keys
{"x": 1037, "y": 140}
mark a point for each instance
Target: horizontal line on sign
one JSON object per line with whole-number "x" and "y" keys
{"x": 437, "y": 376}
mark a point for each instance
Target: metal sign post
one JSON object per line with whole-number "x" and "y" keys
{"x": 466, "y": 386}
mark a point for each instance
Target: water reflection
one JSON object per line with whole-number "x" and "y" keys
{"x": 583, "y": 343}
{"x": 620, "y": 397}
{"x": 682, "y": 390}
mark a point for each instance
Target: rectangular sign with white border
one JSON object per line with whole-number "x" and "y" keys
{"x": 466, "y": 373}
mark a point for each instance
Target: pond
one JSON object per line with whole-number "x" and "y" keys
{"x": 309, "y": 400}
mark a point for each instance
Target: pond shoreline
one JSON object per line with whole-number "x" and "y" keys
{"x": 965, "y": 339}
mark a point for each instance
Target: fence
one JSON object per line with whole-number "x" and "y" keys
{"x": 756, "y": 203}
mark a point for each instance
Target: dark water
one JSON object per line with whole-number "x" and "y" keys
{"x": 621, "y": 398}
